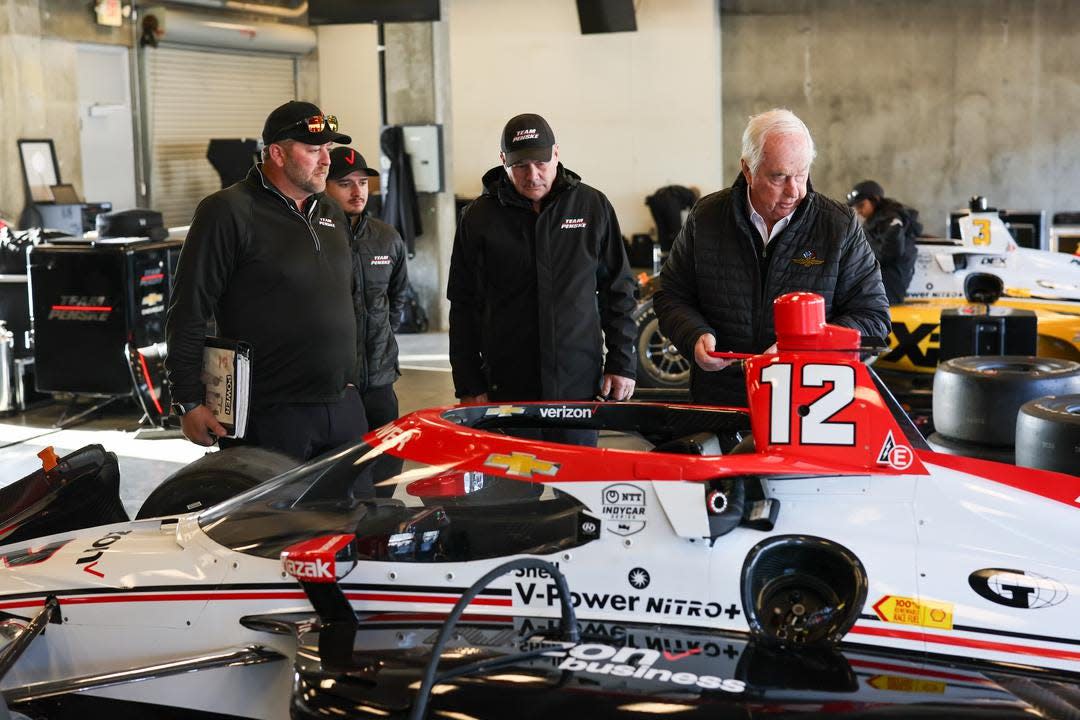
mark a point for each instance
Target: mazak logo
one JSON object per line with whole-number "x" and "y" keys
{"x": 526, "y": 134}
{"x": 1017, "y": 588}
{"x": 581, "y": 413}
{"x": 91, "y": 308}
{"x": 326, "y": 222}
{"x": 623, "y": 506}
{"x": 380, "y": 259}
{"x": 631, "y": 662}
{"x": 572, "y": 223}
{"x": 310, "y": 570}
{"x": 808, "y": 259}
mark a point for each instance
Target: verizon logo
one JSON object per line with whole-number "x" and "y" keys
{"x": 571, "y": 223}
{"x": 311, "y": 570}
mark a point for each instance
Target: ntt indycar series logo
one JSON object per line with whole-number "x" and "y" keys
{"x": 630, "y": 662}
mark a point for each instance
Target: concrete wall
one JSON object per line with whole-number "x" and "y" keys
{"x": 632, "y": 111}
{"x": 38, "y": 97}
{"x": 935, "y": 100}
{"x": 349, "y": 83}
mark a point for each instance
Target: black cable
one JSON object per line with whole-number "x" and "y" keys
{"x": 568, "y": 622}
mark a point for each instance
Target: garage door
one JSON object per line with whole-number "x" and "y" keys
{"x": 194, "y": 96}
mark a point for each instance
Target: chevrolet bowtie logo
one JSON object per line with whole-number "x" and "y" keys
{"x": 504, "y": 411}
{"x": 522, "y": 464}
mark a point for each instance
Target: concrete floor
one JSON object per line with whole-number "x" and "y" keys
{"x": 145, "y": 462}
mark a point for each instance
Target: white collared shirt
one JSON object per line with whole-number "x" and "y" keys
{"x": 762, "y": 226}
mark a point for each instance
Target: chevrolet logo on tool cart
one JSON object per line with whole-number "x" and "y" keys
{"x": 521, "y": 464}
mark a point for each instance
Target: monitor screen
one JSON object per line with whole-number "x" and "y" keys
{"x": 606, "y": 16}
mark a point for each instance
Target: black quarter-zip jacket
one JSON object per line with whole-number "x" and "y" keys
{"x": 274, "y": 277}
{"x": 535, "y": 297}
{"x": 719, "y": 278}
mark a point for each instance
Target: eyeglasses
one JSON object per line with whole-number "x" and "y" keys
{"x": 315, "y": 124}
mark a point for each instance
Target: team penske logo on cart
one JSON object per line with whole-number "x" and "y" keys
{"x": 91, "y": 308}
{"x": 638, "y": 663}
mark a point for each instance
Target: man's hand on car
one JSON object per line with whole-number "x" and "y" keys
{"x": 705, "y": 345}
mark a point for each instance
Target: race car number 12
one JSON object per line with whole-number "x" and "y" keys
{"x": 814, "y": 419}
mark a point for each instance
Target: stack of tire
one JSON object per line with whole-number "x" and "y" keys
{"x": 1012, "y": 409}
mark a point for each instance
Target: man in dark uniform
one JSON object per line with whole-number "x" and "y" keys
{"x": 381, "y": 279}
{"x": 539, "y": 282}
{"x": 766, "y": 235}
{"x": 269, "y": 258}
{"x": 891, "y": 229}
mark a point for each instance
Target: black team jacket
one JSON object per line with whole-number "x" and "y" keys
{"x": 381, "y": 278}
{"x": 271, "y": 276}
{"x": 720, "y": 279}
{"x": 535, "y": 297}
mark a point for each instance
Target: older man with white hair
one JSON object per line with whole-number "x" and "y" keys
{"x": 766, "y": 235}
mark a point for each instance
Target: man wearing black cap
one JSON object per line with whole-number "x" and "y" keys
{"x": 539, "y": 282}
{"x": 269, "y": 259}
{"x": 381, "y": 279}
{"x": 891, "y": 229}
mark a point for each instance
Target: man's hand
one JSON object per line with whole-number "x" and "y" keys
{"x": 617, "y": 387}
{"x": 704, "y": 345}
{"x": 199, "y": 423}
{"x": 481, "y": 398}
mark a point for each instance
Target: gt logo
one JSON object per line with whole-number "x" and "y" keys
{"x": 314, "y": 570}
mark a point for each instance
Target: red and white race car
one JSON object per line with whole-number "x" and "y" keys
{"x": 818, "y": 518}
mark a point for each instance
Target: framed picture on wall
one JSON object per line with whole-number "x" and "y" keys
{"x": 40, "y": 169}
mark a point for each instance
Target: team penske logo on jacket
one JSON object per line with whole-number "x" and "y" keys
{"x": 380, "y": 259}
{"x": 808, "y": 258}
{"x": 573, "y": 223}
{"x": 326, "y": 222}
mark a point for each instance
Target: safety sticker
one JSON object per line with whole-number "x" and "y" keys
{"x": 896, "y": 456}
{"x": 909, "y": 611}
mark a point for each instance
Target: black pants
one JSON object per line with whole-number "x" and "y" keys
{"x": 306, "y": 430}
{"x": 381, "y": 406}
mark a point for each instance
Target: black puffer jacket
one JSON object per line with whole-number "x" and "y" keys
{"x": 380, "y": 277}
{"x": 891, "y": 232}
{"x": 534, "y": 298}
{"x": 273, "y": 277}
{"x": 714, "y": 280}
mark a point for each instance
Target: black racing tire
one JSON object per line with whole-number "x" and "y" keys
{"x": 659, "y": 363}
{"x": 1048, "y": 434}
{"x": 976, "y": 398}
{"x": 951, "y": 446}
{"x": 214, "y": 478}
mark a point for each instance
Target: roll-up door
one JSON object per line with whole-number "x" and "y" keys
{"x": 194, "y": 96}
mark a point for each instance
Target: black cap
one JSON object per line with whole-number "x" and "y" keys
{"x": 866, "y": 190}
{"x": 527, "y": 137}
{"x": 286, "y": 123}
{"x": 345, "y": 160}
